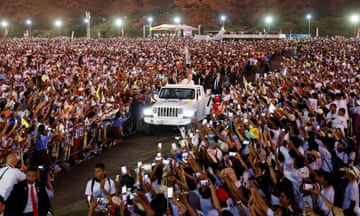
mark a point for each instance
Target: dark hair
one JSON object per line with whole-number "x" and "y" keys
{"x": 41, "y": 130}
{"x": 158, "y": 204}
{"x": 342, "y": 110}
{"x": 226, "y": 213}
{"x": 100, "y": 166}
{"x": 205, "y": 192}
{"x": 2, "y": 199}
{"x": 33, "y": 169}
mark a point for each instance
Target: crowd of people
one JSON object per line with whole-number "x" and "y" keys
{"x": 284, "y": 143}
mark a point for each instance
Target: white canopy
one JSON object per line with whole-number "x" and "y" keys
{"x": 172, "y": 27}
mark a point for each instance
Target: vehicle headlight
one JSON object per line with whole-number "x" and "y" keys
{"x": 147, "y": 112}
{"x": 189, "y": 113}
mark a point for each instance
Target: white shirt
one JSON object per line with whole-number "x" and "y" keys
{"x": 187, "y": 82}
{"x": 9, "y": 179}
{"x": 326, "y": 164}
{"x": 329, "y": 193}
{"x": 96, "y": 191}
{"x": 339, "y": 122}
{"x": 351, "y": 194}
{"x": 28, "y": 207}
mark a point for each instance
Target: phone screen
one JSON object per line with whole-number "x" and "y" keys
{"x": 170, "y": 192}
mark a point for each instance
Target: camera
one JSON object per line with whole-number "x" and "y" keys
{"x": 43, "y": 173}
{"x": 308, "y": 187}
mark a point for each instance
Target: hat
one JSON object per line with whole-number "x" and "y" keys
{"x": 291, "y": 117}
{"x": 319, "y": 111}
{"x": 344, "y": 143}
{"x": 353, "y": 170}
{"x": 222, "y": 195}
{"x": 261, "y": 153}
{"x": 315, "y": 153}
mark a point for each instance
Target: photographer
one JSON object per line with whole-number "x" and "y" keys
{"x": 10, "y": 175}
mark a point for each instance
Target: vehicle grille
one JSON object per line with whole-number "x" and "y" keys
{"x": 168, "y": 111}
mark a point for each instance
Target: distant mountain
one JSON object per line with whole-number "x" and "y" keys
{"x": 242, "y": 15}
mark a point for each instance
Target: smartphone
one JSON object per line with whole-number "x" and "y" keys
{"x": 173, "y": 146}
{"x": 158, "y": 156}
{"x": 204, "y": 182}
{"x": 165, "y": 162}
{"x": 232, "y": 154}
{"x": 123, "y": 170}
{"x": 117, "y": 178}
{"x": 197, "y": 175}
{"x": 146, "y": 178}
{"x": 160, "y": 145}
{"x": 246, "y": 142}
{"x": 147, "y": 167}
{"x": 123, "y": 189}
{"x": 170, "y": 192}
{"x": 139, "y": 163}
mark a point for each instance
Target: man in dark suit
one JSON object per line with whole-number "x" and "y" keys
{"x": 173, "y": 78}
{"x": 217, "y": 84}
{"x": 29, "y": 197}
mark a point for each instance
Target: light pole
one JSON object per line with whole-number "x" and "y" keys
{"x": 88, "y": 23}
{"x": 29, "y": 23}
{"x": 354, "y": 19}
{"x": 268, "y": 21}
{"x": 119, "y": 23}
{"x": 308, "y": 17}
{"x": 223, "y": 19}
{"x": 5, "y": 25}
{"x": 58, "y": 25}
{"x": 150, "y": 20}
{"x": 177, "y": 21}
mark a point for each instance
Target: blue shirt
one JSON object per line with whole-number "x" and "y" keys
{"x": 119, "y": 122}
{"x": 41, "y": 142}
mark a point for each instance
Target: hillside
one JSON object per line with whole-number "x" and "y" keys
{"x": 289, "y": 15}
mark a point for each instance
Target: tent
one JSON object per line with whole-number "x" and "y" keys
{"x": 173, "y": 27}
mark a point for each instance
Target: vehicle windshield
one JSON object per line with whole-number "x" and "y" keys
{"x": 177, "y": 93}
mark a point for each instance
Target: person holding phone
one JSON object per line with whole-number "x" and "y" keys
{"x": 100, "y": 188}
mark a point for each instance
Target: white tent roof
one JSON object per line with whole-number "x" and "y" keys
{"x": 172, "y": 27}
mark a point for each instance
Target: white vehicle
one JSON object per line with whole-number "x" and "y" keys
{"x": 177, "y": 105}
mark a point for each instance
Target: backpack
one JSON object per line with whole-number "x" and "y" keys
{"x": 93, "y": 182}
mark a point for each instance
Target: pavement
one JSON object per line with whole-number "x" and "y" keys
{"x": 69, "y": 186}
